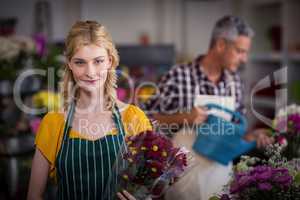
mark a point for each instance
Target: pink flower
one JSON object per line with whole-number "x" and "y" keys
{"x": 35, "y": 124}
{"x": 282, "y": 140}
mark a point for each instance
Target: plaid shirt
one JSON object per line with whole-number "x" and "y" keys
{"x": 179, "y": 87}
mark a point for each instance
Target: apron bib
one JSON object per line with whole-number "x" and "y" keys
{"x": 206, "y": 177}
{"x": 84, "y": 167}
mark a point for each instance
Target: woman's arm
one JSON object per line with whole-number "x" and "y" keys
{"x": 39, "y": 175}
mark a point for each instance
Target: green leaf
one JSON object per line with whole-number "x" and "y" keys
{"x": 214, "y": 198}
{"x": 297, "y": 178}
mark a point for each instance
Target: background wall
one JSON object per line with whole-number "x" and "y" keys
{"x": 185, "y": 23}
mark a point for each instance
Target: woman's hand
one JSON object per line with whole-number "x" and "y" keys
{"x": 125, "y": 195}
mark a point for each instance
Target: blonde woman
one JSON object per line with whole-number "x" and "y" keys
{"x": 79, "y": 145}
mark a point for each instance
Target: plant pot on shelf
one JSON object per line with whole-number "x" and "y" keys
{"x": 14, "y": 145}
{"x": 15, "y": 159}
{"x": 275, "y": 36}
{"x": 6, "y": 87}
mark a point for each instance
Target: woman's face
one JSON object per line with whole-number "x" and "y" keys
{"x": 89, "y": 66}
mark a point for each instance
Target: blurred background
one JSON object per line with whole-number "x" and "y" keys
{"x": 151, "y": 36}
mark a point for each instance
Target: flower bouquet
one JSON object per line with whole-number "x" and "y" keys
{"x": 253, "y": 178}
{"x": 152, "y": 163}
{"x": 286, "y": 127}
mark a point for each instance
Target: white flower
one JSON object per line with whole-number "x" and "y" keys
{"x": 298, "y": 109}
{"x": 281, "y": 113}
{"x": 8, "y": 49}
{"x": 25, "y": 43}
{"x": 292, "y": 109}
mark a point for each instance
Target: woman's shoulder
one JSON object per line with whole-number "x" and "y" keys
{"x": 49, "y": 136}
{"x": 129, "y": 109}
{"x": 134, "y": 119}
{"x": 53, "y": 117}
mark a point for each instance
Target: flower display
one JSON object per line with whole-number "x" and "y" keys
{"x": 152, "y": 164}
{"x": 254, "y": 178}
{"x": 286, "y": 126}
{"x": 263, "y": 178}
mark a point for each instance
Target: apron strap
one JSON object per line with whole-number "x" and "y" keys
{"x": 69, "y": 120}
{"x": 118, "y": 120}
{"x": 232, "y": 85}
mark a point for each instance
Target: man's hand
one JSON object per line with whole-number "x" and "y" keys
{"x": 197, "y": 116}
{"x": 260, "y": 136}
{"x": 125, "y": 195}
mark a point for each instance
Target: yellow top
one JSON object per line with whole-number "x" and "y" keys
{"x": 50, "y": 133}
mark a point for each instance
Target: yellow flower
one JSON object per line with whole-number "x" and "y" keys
{"x": 143, "y": 148}
{"x": 145, "y": 93}
{"x": 134, "y": 152}
{"x": 132, "y": 149}
{"x": 125, "y": 176}
{"x": 47, "y": 99}
{"x": 130, "y": 160}
{"x": 155, "y": 148}
{"x": 153, "y": 169}
{"x": 164, "y": 153}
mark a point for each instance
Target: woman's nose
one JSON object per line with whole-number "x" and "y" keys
{"x": 90, "y": 71}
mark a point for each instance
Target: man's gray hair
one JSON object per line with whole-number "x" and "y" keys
{"x": 229, "y": 28}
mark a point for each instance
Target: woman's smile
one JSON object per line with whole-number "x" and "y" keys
{"x": 91, "y": 82}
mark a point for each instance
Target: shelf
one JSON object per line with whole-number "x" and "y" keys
{"x": 294, "y": 57}
{"x": 265, "y": 2}
{"x": 274, "y": 57}
{"x": 267, "y": 57}
{"x": 152, "y": 55}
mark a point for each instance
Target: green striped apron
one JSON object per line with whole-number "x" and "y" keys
{"x": 84, "y": 167}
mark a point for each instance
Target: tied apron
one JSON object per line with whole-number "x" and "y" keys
{"x": 84, "y": 167}
{"x": 206, "y": 177}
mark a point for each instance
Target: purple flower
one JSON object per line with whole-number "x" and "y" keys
{"x": 265, "y": 186}
{"x": 225, "y": 197}
{"x": 281, "y": 125}
{"x": 40, "y": 41}
{"x": 259, "y": 169}
{"x": 241, "y": 183}
{"x": 281, "y": 170}
{"x": 264, "y": 175}
{"x": 283, "y": 180}
{"x": 294, "y": 122}
{"x": 261, "y": 177}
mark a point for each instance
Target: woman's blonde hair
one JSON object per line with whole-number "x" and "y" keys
{"x": 85, "y": 33}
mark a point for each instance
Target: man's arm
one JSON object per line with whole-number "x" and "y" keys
{"x": 197, "y": 116}
{"x": 177, "y": 118}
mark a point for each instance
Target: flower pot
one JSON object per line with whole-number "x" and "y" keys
{"x": 13, "y": 145}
